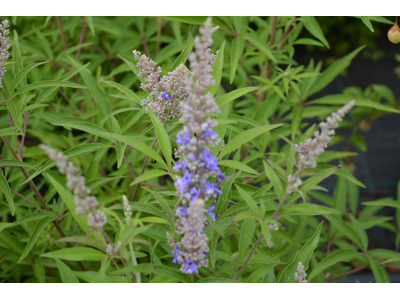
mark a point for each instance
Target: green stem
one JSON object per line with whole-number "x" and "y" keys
{"x": 134, "y": 262}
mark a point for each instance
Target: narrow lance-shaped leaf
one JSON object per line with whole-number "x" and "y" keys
{"x": 35, "y": 235}
{"x": 245, "y": 137}
{"x": 22, "y": 74}
{"x": 303, "y": 256}
{"x": 47, "y": 83}
{"x": 7, "y": 192}
{"x": 276, "y": 182}
{"x": 236, "y": 53}
{"x": 234, "y": 95}
{"x": 76, "y": 254}
{"x": 181, "y": 59}
{"x": 246, "y": 235}
{"x": 14, "y": 113}
{"x": 65, "y": 274}
{"x": 89, "y": 20}
{"x": 247, "y": 198}
{"x": 217, "y": 70}
{"x": 148, "y": 175}
{"x": 162, "y": 136}
{"x": 125, "y": 90}
{"x": 313, "y": 27}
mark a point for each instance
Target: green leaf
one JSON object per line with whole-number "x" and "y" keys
{"x": 249, "y": 201}
{"x": 142, "y": 147}
{"x": 39, "y": 272}
{"x": 236, "y": 53}
{"x": 367, "y": 22}
{"x": 161, "y": 201}
{"x": 383, "y": 203}
{"x": 276, "y": 182}
{"x": 157, "y": 269}
{"x": 296, "y": 120}
{"x": 246, "y": 235}
{"x": 5, "y": 225}
{"x": 234, "y": 95}
{"x": 234, "y": 165}
{"x": 44, "y": 44}
{"x": 312, "y": 26}
{"x": 68, "y": 199}
{"x": 15, "y": 163}
{"x": 134, "y": 68}
{"x": 244, "y": 215}
{"x": 181, "y": 59}
{"x": 306, "y": 41}
{"x": 89, "y": 20}
{"x": 134, "y": 98}
{"x": 118, "y": 111}
{"x": 37, "y": 231}
{"x": 260, "y": 45}
{"x": 92, "y": 277}
{"x": 217, "y": 69}
{"x": 3, "y": 259}
{"x": 260, "y": 272}
{"x": 339, "y": 99}
{"x": 7, "y": 192}
{"x": 48, "y": 83}
{"x": 309, "y": 209}
{"x": 339, "y": 225}
{"x": 120, "y": 150}
{"x": 334, "y": 258}
{"x": 245, "y": 137}
{"x": 362, "y": 235}
{"x": 266, "y": 232}
{"x": 377, "y": 271}
{"x": 14, "y": 113}
{"x": 95, "y": 91}
{"x": 65, "y": 274}
{"x": 17, "y": 59}
{"x": 332, "y": 71}
{"x": 148, "y": 175}
{"x": 21, "y": 75}
{"x": 303, "y": 256}
{"x": 76, "y": 254}
{"x": 162, "y": 136}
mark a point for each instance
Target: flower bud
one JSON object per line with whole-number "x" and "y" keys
{"x": 394, "y": 33}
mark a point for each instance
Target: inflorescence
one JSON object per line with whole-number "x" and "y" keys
{"x": 300, "y": 275}
{"x": 197, "y": 162}
{"x": 4, "y": 45}
{"x": 84, "y": 203}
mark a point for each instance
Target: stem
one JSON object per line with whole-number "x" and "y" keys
{"x": 23, "y": 197}
{"x": 24, "y": 134}
{"x": 134, "y": 262}
{"x": 81, "y": 39}
{"x": 62, "y": 34}
{"x": 159, "y": 27}
{"x": 355, "y": 270}
{"x": 248, "y": 258}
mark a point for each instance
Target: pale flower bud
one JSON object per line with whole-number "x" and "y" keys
{"x": 394, "y": 33}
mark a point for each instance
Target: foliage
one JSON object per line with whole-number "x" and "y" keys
{"x": 72, "y": 83}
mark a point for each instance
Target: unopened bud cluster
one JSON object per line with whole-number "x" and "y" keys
{"x": 197, "y": 162}
{"x": 300, "y": 275}
{"x": 127, "y": 208}
{"x": 84, "y": 202}
{"x": 4, "y": 45}
{"x": 314, "y": 147}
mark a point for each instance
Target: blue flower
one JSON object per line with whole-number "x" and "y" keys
{"x": 213, "y": 186}
{"x": 183, "y": 140}
{"x": 211, "y": 161}
{"x": 195, "y": 193}
{"x": 183, "y": 210}
{"x": 190, "y": 264}
{"x": 221, "y": 176}
{"x": 208, "y": 133}
{"x": 210, "y": 211}
{"x": 177, "y": 251}
{"x": 185, "y": 181}
{"x": 180, "y": 165}
{"x": 166, "y": 95}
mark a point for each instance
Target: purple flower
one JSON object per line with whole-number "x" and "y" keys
{"x": 190, "y": 264}
{"x": 177, "y": 251}
{"x": 185, "y": 181}
{"x": 211, "y": 161}
{"x": 213, "y": 186}
{"x": 182, "y": 210}
{"x": 166, "y": 95}
{"x": 221, "y": 176}
{"x": 195, "y": 193}
{"x": 210, "y": 211}
{"x": 208, "y": 133}
{"x": 180, "y": 166}
{"x": 183, "y": 140}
